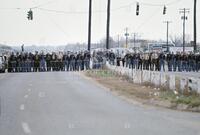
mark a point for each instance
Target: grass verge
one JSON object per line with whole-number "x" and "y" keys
{"x": 192, "y": 100}
{"x": 144, "y": 93}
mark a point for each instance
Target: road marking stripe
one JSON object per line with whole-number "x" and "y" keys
{"x": 0, "y": 106}
{"x": 26, "y": 128}
{"x": 41, "y": 94}
{"x": 29, "y": 89}
{"x": 26, "y": 96}
{"x": 22, "y": 107}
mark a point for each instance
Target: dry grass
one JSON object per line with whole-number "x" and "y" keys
{"x": 122, "y": 85}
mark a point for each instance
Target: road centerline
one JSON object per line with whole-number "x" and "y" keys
{"x": 26, "y": 128}
{"x": 41, "y": 94}
{"x": 26, "y": 96}
{"x": 22, "y": 107}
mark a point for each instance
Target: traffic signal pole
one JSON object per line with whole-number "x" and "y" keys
{"x": 108, "y": 26}
{"x": 195, "y": 26}
{"x": 89, "y": 25}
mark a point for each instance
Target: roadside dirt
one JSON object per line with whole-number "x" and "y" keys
{"x": 142, "y": 94}
{"x": 121, "y": 87}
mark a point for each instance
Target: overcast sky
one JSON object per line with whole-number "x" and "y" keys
{"x": 57, "y": 28}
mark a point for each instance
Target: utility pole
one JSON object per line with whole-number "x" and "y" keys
{"x": 108, "y": 26}
{"x": 195, "y": 25}
{"x": 126, "y": 35}
{"x": 167, "y": 22}
{"x": 22, "y": 47}
{"x": 89, "y": 25}
{"x": 118, "y": 40}
{"x": 184, "y": 18}
{"x": 134, "y": 40}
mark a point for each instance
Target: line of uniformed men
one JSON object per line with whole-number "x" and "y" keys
{"x": 159, "y": 61}
{"x": 29, "y": 62}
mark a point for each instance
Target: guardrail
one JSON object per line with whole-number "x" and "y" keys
{"x": 171, "y": 81}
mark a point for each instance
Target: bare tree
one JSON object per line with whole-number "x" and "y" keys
{"x": 112, "y": 42}
{"x": 178, "y": 40}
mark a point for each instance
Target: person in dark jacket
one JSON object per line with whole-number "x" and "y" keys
{"x": 36, "y": 62}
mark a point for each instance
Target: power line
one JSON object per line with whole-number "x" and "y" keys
{"x": 146, "y": 4}
{"x": 159, "y": 5}
{"x": 85, "y": 12}
{"x": 12, "y": 8}
{"x": 114, "y": 9}
{"x": 63, "y": 12}
{"x": 34, "y": 7}
{"x": 44, "y": 4}
{"x": 147, "y": 20}
{"x": 58, "y": 26}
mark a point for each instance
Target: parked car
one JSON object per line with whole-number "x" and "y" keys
{"x": 2, "y": 65}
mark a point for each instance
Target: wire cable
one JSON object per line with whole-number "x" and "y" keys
{"x": 64, "y": 12}
{"x": 85, "y": 12}
{"x": 34, "y": 7}
{"x": 44, "y": 4}
{"x": 114, "y": 9}
{"x": 59, "y": 27}
{"x": 166, "y": 4}
{"x": 148, "y": 19}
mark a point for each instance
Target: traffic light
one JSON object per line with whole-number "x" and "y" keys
{"x": 30, "y": 15}
{"x": 164, "y": 10}
{"x": 137, "y": 9}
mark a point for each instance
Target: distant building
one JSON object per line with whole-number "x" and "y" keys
{"x": 4, "y": 49}
{"x": 180, "y": 49}
{"x": 159, "y": 46}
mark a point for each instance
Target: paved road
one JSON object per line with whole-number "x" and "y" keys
{"x": 68, "y": 104}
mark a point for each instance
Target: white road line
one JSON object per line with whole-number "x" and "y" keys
{"x": 26, "y": 128}
{"x": 30, "y": 84}
{"x": 22, "y": 107}
{"x": 41, "y": 94}
{"x": 29, "y": 90}
{"x": 26, "y": 96}
{"x": 127, "y": 125}
{"x": 1, "y": 77}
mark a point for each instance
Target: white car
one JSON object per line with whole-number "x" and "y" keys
{"x": 2, "y": 65}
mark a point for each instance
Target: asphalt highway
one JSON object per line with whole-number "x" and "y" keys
{"x": 65, "y": 103}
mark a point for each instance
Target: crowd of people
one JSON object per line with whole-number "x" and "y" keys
{"x": 158, "y": 61}
{"x": 79, "y": 61}
{"x": 41, "y": 62}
